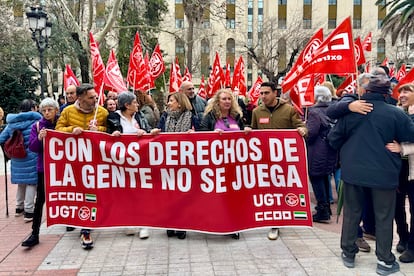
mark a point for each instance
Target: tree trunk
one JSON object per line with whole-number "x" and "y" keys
{"x": 190, "y": 43}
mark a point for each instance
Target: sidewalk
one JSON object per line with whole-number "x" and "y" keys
{"x": 313, "y": 251}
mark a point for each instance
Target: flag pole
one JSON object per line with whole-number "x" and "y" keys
{"x": 99, "y": 100}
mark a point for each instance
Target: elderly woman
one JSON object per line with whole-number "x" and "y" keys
{"x": 49, "y": 109}
{"x": 128, "y": 120}
{"x": 321, "y": 157}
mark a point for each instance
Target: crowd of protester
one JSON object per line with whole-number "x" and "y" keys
{"x": 357, "y": 141}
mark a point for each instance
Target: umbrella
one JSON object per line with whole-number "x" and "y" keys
{"x": 340, "y": 199}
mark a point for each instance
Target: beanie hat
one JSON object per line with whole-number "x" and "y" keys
{"x": 378, "y": 84}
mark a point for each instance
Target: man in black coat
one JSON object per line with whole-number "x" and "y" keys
{"x": 368, "y": 167}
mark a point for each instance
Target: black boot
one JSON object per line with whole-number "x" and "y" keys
{"x": 322, "y": 213}
{"x": 31, "y": 241}
{"x": 181, "y": 234}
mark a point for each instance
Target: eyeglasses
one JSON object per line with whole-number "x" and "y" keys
{"x": 226, "y": 122}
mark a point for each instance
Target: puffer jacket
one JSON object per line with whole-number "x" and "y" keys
{"x": 23, "y": 170}
{"x": 114, "y": 122}
{"x": 71, "y": 117}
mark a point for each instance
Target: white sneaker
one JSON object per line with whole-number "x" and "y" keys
{"x": 144, "y": 233}
{"x": 273, "y": 234}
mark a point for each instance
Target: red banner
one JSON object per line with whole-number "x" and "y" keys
{"x": 204, "y": 181}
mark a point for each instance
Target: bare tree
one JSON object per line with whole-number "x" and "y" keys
{"x": 266, "y": 53}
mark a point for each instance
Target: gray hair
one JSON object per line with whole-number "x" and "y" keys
{"x": 125, "y": 98}
{"x": 362, "y": 77}
{"x": 48, "y": 102}
{"x": 322, "y": 94}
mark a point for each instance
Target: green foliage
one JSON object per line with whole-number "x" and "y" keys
{"x": 399, "y": 21}
{"x": 147, "y": 26}
{"x": 17, "y": 82}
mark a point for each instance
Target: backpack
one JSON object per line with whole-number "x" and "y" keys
{"x": 14, "y": 146}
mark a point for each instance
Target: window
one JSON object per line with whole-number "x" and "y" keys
{"x": 178, "y": 1}
{"x": 356, "y": 23}
{"x": 179, "y": 23}
{"x": 381, "y": 50}
{"x": 231, "y": 2}
{"x": 281, "y": 24}
{"x": 357, "y": 2}
{"x": 282, "y": 2}
{"x": 380, "y": 23}
{"x": 205, "y": 24}
{"x": 230, "y": 24}
{"x": 332, "y": 2}
{"x": 331, "y": 23}
{"x": 307, "y": 2}
{"x": 307, "y": 23}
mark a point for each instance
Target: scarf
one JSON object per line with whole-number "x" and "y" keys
{"x": 178, "y": 121}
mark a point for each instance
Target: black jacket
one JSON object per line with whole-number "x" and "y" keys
{"x": 114, "y": 122}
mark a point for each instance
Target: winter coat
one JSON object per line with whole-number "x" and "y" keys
{"x": 209, "y": 121}
{"x": 35, "y": 144}
{"x": 322, "y": 157}
{"x": 198, "y": 104}
{"x": 23, "y": 170}
{"x": 71, "y": 117}
{"x": 114, "y": 122}
{"x": 283, "y": 116}
{"x": 361, "y": 139}
{"x": 163, "y": 121}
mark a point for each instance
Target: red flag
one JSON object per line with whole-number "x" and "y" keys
{"x": 113, "y": 78}
{"x": 359, "y": 52}
{"x": 239, "y": 80}
{"x": 69, "y": 78}
{"x": 319, "y": 78}
{"x": 178, "y": 72}
{"x": 385, "y": 62}
{"x": 173, "y": 79}
{"x": 348, "y": 85}
{"x": 202, "y": 90}
{"x": 392, "y": 71}
{"x": 98, "y": 66}
{"x": 147, "y": 82}
{"x": 401, "y": 73}
{"x": 227, "y": 82}
{"x": 135, "y": 63}
{"x": 409, "y": 77}
{"x": 314, "y": 42}
{"x": 187, "y": 75}
{"x": 295, "y": 100}
{"x": 367, "y": 44}
{"x": 367, "y": 67}
{"x": 335, "y": 55}
{"x": 216, "y": 79}
{"x": 254, "y": 92}
{"x": 304, "y": 88}
{"x": 157, "y": 66}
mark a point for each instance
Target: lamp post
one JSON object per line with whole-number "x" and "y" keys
{"x": 41, "y": 29}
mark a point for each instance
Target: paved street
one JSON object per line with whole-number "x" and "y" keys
{"x": 297, "y": 252}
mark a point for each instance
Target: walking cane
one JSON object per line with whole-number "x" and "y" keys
{"x": 5, "y": 182}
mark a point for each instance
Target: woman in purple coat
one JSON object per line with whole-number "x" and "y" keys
{"x": 49, "y": 109}
{"x": 321, "y": 157}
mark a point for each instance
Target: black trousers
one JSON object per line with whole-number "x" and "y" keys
{"x": 40, "y": 201}
{"x": 384, "y": 210}
{"x": 405, "y": 188}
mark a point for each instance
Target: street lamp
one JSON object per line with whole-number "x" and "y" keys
{"x": 41, "y": 30}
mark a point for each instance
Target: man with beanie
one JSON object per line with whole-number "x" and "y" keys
{"x": 369, "y": 167}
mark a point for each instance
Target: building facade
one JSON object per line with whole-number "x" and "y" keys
{"x": 231, "y": 27}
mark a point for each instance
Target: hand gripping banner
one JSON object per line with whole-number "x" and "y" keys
{"x": 200, "y": 181}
